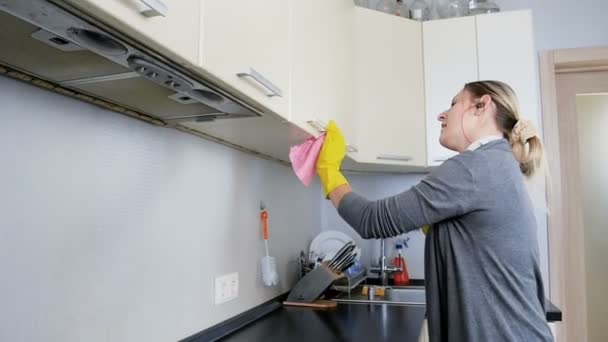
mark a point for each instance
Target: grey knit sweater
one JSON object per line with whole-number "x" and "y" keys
{"x": 482, "y": 274}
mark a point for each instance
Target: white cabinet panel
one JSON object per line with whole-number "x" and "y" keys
{"x": 321, "y": 69}
{"x": 450, "y": 61}
{"x": 241, "y": 36}
{"x": 389, "y": 90}
{"x": 506, "y": 53}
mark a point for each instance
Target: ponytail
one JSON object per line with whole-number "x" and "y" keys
{"x": 523, "y": 137}
{"x": 529, "y": 154}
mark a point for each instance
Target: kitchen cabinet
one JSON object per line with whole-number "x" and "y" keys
{"x": 396, "y": 107}
{"x": 383, "y": 78}
{"x": 320, "y": 44}
{"x": 245, "y": 47}
{"x": 321, "y": 64}
{"x": 505, "y": 46}
{"x": 175, "y": 35}
{"x": 388, "y": 94}
{"x": 450, "y": 61}
{"x": 485, "y": 47}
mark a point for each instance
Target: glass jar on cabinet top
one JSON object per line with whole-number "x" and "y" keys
{"x": 483, "y": 7}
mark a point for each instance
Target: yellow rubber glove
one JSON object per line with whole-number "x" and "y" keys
{"x": 425, "y": 229}
{"x": 330, "y": 158}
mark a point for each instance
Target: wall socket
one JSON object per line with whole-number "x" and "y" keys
{"x": 226, "y": 288}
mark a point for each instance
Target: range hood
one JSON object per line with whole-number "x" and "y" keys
{"x": 46, "y": 41}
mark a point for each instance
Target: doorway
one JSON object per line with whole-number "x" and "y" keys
{"x": 592, "y": 114}
{"x": 567, "y": 76}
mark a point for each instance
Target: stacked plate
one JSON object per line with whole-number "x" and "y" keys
{"x": 326, "y": 244}
{"x": 344, "y": 258}
{"x": 329, "y": 244}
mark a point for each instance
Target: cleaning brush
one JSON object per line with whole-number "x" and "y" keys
{"x": 270, "y": 277}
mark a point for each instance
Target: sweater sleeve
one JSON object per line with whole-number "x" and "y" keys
{"x": 447, "y": 192}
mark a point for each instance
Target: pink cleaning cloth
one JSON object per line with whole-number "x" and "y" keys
{"x": 304, "y": 156}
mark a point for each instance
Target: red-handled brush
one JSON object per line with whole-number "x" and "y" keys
{"x": 270, "y": 277}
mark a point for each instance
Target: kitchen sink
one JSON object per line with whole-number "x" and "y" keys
{"x": 405, "y": 295}
{"x": 414, "y": 294}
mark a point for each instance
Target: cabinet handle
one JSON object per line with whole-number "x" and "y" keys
{"x": 155, "y": 8}
{"x": 352, "y": 149}
{"x": 394, "y": 157}
{"x": 274, "y": 90}
{"x": 320, "y": 126}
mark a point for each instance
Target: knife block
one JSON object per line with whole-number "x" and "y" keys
{"x": 311, "y": 286}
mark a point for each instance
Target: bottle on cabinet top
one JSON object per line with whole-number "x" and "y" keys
{"x": 419, "y": 10}
{"x": 452, "y": 8}
{"x": 483, "y": 7}
{"x": 401, "y": 9}
{"x": 387, "y": 6}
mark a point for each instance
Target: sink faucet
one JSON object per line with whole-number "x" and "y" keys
{"x": 383, "y": 268}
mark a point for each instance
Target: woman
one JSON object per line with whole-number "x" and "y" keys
{"x": 482, "y": 274}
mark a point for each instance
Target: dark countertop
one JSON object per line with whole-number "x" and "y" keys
{"x": 348, "y": 322}
{"x": 552, "y": 312}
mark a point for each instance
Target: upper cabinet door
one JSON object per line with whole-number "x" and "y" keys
{"x": 389, "y": 90}
{"x": 321, "y": 68}
{"x": 506, "y": 53}
{"x": 245, "y": 45}
{"x": 175, "y": 35}
{"x": 450, "y": 61}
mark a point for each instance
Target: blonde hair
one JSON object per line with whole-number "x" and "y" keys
{"x": 521, "y": 134}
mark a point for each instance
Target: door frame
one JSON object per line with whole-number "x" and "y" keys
{"x": 567, "y": 276}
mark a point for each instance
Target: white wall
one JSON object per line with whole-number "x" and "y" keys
{"x": 112, "y": 229}
{"x": 592, "y": 111}
{"x": 560, "y": 24}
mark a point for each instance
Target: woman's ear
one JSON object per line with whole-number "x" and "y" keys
{"x": 483, "y": 103}
{"x": 485, "y": 100}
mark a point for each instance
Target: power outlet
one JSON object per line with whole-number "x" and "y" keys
{"x": 226, "y": 288}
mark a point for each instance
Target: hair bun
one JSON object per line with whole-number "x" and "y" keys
{"x": 523, "y": 131}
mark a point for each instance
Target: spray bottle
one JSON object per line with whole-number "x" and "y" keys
{"x": 401, "y": 278}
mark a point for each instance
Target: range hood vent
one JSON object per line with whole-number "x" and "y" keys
{"x": 50, "y": 43}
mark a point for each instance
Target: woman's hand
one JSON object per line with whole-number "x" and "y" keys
{"x": 330, "y": 158}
